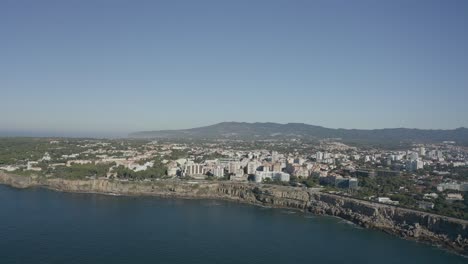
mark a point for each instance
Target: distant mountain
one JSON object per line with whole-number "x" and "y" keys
{"x": 275, "y": 130}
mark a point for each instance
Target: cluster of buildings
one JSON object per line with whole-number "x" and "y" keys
{"x": 331, "y": 163}
{"x": 453, "y": 186}
{"x": 263, "y": 165}
{"x": 238, "y": 166}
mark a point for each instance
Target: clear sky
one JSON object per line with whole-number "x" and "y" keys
{"x": 111, "y": 67}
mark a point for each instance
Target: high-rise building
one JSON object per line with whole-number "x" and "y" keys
{"x": 218, "y": 171}
{"x": 274, "y": 156}
{"x": 413, "y": 165}
{"x": 234, "y": 168}
{"x": 413, "y": 156}
{"x": 422, "y": 151}
{"x": 193, "y": 169}
{"x": 252, "y": 166}
{"x": 440, "y": 154}
{"x": 319, "y": 156}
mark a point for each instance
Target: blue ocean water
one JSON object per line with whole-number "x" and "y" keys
{"x": 42, "y": 226}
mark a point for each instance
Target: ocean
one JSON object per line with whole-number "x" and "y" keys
{"x": 43, "y": 226}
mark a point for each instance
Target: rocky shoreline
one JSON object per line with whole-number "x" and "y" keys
{"x": 449, "y": 233}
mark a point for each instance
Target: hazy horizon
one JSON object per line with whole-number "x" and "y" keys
{"x": 109, "y": 68}
{"x": 124, "y": 134}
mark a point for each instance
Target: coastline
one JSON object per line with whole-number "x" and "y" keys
{"x": 448, "y": 233}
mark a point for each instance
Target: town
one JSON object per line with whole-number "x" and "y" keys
{"x": 429, "y": 177}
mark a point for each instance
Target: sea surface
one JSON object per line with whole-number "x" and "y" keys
{"x": 43, "y": 226}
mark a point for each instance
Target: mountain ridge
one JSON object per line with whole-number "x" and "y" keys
{"x": 262, "y": 130}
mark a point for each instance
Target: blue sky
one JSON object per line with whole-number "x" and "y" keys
{"x": 111, "y": 67}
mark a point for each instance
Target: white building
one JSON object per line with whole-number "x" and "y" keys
{"x": 9, "y": 168}
{"x": 429, "y": 196}
{"x": 319, "y": 156}
{"x": 137, "y": 167}
{"x": 413, "y": 156}
{"x": 413, "y": 165}
{"x": 32, "y": 166}
{"x": 454, "y": 197}
{"x": 252, "y": 166}
{"x": 193, "y": 169}
{"x": 218, "y": 171}
{"x": 422, "y": 151}
{"x": 46, "y": 157}
{"x": 448, "y": 186}
{"x": 273, "y": 175}
{"x": 387, "y": 200}
{"x": 235, "y": 168}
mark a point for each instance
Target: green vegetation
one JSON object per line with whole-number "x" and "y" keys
{"x": 14, "y": 151}
{"x": 19, "y": 150}
{"x": 311, "y": 182}
{"x": 458, "y": 209}
{"x": 81, "y": 171}
{"x": 176, "y": 154}
{"x": 458, "y": 173}
{"x": 409, "y": 196}
{"x": 404, "y": 199}
{"x": 275, "y": 182}
{"x": 381, "y": 186}
{"x": 158, "y": 170}
{"x": 211, "y": 156}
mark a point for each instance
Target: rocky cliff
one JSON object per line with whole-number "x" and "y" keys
{"x": 270, "y": 195}
{"x": 435, "y": 229}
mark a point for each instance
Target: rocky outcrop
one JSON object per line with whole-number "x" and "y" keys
{"x": 435, "y": 229}
{"x": 275, "y": 196}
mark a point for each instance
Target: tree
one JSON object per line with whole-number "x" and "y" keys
{"x": 267, "y": 180}
{"x": 311, "y": 182}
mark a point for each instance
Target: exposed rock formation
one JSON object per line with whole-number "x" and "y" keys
{"x": 448, "y": 232}
{"x": 435, "y": 229}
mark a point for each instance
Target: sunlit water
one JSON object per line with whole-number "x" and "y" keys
{"x": 41, "y": 226}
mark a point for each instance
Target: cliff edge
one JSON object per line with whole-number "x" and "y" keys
{"x": 447, "y": 232}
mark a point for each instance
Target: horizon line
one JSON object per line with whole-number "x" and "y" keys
{"x": 301, "y": 123}
{"x": 54, "y": 133}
